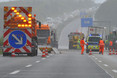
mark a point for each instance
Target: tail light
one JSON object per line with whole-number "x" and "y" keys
{"x": 87, "y": 43}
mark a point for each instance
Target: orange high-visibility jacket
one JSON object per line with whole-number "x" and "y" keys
{"x": 101, "y": 42}
{"x": 82, "y": 42}
{"x": 110, "y": 43}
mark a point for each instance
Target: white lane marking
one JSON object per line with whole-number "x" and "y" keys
{"x": 43, "y": 58}
{"x": 105, "y": 65}
{"x": 37, "y": 61}
{"x": 29, "y": 65}
{"x": 15, "y": 72}
{"x": 99, "y": 61}
{"x": 115, "y": 71}
{"x": 93, "y": 56}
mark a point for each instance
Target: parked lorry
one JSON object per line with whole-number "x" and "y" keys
{"x": 19, "y": 31}
{"x": 74, "y": 40}
{"x": 44, "y": 37}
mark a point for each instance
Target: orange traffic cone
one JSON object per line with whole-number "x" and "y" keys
{"x": 90, "y": 52}
{"x": 113, "y": 51}
{"x": 13, "y": 53}
{"x": 43, "y": 53}
{"x": 46, "y": 52}
{"x": 110, "y": 51}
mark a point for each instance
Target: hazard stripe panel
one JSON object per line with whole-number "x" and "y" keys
{"x": 6, "y": 33}
{"x": 8, "y": 13}
{"x": 28, "y": 33}
{"x": 8, "y": 49}
{"x": 29, "y": 43}
{"x": 17, "y": 50}
{"x": 26, "y": 12}
{"x": 5, "y": 43}
{"x": 26, "y": 50}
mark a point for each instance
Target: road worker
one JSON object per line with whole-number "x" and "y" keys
{"x": 111, "y": 44}
{"x": 101, "y": 46}
{"x": 106, "y": 44}
{"x": 82, "y": 43}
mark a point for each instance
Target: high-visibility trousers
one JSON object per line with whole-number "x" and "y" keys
{"x": 101, "y": 48}
{"x": 82, "y": 51}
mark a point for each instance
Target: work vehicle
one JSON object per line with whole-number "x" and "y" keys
{"x": 93, "y": 42}
{"x": 44, "y": 37}
{"x": 74, "y": 40}
{"x": 19, "y": 31}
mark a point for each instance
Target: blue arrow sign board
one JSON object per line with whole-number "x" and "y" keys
{"x": 86, "y": 22}
{"x": 17, "y": 39}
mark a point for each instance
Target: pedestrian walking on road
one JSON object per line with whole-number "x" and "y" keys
{"x": 82, "y": 43}
{"x": 101, "y": 46}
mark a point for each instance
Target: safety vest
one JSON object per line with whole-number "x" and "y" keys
{"x": 110, "y": 43}
{"x": 82, "y": 43}
{"x": 101, "y": 42}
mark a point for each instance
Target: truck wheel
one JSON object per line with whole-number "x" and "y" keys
{"x": 70, "y": 45}
{"x": 36, "y": 53}
{"x": 4, "y": 54}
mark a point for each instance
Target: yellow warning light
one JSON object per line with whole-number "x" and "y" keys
{"x": 29, "y": 18}
{"x": 15, "y": 11}
{"x": 29, "y": 22}
{"x": 20, "y": 15}
{"x": 19, "y": 25}
{"x": 24, "y": 20}
{"x": 29, "y": 15}
{"x": 12, "y": 8}
{"x": 26, "y": 25}
{"x": 30, "y": 25}
{"x": 23, "y": 25}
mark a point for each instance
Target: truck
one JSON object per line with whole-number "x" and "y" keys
{"x": 19, "y": 31}
{"x": 97, "y": 30}
{"x": 44, "y": 37}
{"x": 93, "y": 36}
{"x": 74, "y": 40}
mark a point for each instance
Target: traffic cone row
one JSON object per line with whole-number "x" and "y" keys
{"x": 90, "y": 52}
{"x": 44, "y": 52}
{"x": 113, "y": 52}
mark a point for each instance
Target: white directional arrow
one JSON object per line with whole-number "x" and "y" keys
{"x": 19, "y": 41}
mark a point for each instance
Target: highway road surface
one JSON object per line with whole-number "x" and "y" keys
{"x": 69, "y": 64}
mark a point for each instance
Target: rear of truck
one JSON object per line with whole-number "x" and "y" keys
{"x": 44, "y": 37}
{"x": 18, "y": 31}
{"x": 74, "y": 40}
